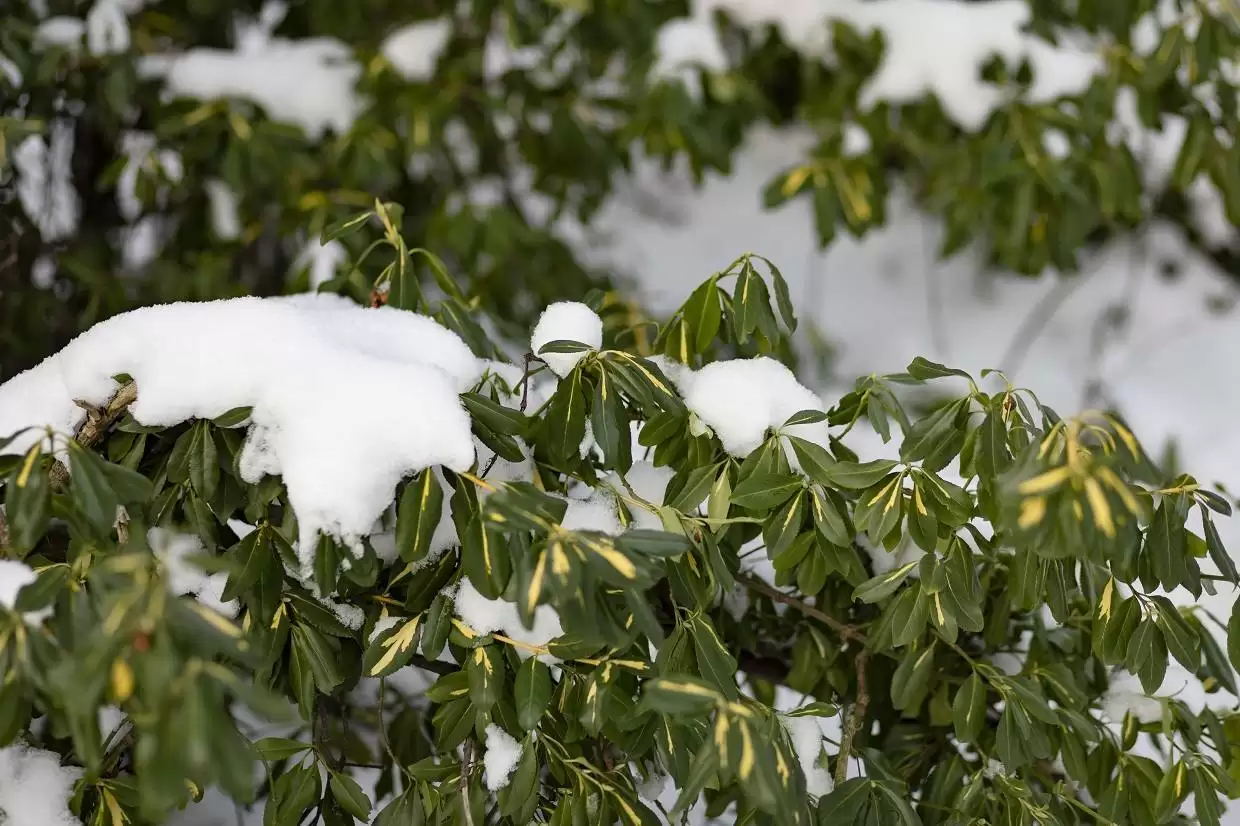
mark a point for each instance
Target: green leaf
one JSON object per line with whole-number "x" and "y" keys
{"x": 678, "y": 695}
{"x": 279, "y": 748}
{"x": 1166, "y": 544}
{"x": 924, "y": 370}
{"x": 502, "y": 420}
{"x": 714, "y": 661}
{"x": 610, "y": 426}
{"x": 564, "y": 346}
{"x": 233, "y": 418}
{"x": 702, "y": 315}
{"x": 763, "y": 491}
{"x": 1218, "y": 553}
{"x": 854, "y": 476}
{"x": 90, "y": 488}
{"x": 1181, "y": 639}
{"x": 808, "y": 416}
{"x": 417, "y": 516}
{"x": 993, "y": 457}
{"x": 935, "y": 439}
{"x": 969, "y": 709}
{"x": 350, "y": 795}
{"x": 912, "y": 676}
{"x": 814, "y": 460}
{"x": 485, "y": 668}
{"x": 814, "y": 709}
{"x": 909, "y": 614}
{"x": 661, "y": 544}
{"x": 533, "y": 692}
{"x": 882, "y": 586}
{"x": 28, "y": 497}
{"x": 565, "y": 420}
{"x": 204, "y": 463}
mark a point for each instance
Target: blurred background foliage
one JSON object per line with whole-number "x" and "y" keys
{"x": 501, "y": 126}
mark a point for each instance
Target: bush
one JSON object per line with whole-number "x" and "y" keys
{"x": 336, "y": 559}
{"x": 194, "y": 149}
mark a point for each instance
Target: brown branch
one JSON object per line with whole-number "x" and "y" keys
{"x": 96, "y": 425}
{"x": 856, "y": 717}
{"x": 4, "y": 531}
{"x": 848, "y": 632}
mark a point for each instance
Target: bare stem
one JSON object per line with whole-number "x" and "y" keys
{"x": 856, "y": 718}
{"x": 845, "y": 630}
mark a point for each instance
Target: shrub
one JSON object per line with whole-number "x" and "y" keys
{"x": 337, "y": 559}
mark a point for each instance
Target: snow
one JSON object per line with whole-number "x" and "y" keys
{"x": 414, "y": 50}
{"x": 566, "y": 321}
{"x": 346, "y": 400}
{"x": 308, "y": 83}
{"x": 490, "y": 616}
{"x": 683, "y": 46}
{"x": 45, "y": 182}
{"x": 34, "y": 788}
{"x": 930, "y": 47}
{"x": 500, "y": 759}
{"x": 598, "y": 513}
{"x": 856, "y": 140}
{"x": 107, "y": 28}
{"x": 225, "y": 221}
{"x": 383, "y": 625}
{"x": 63, "y": 32}
{"x": 740, "y": 399}
{"x": 322, "y": 260}
{"x": 183, "y": 576}
{"x": 650, "y": 484}
{"x": 14, "y": 576}
{"x": 806, "y": 734}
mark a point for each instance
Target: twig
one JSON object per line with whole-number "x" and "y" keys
{"x": 843, "y": 629}
{"x": 95, "y": 427}
{"x": 856, "y": 717}
{"x": 464, "y": 782}
{"x": 4, "y": 531}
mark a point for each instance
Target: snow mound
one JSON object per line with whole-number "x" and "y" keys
{"x": 501, "y": 758}
{"x": 35, "y": 788}
{"x": 414, "y": 50}
{"x": 741, "y": 399}
{"x": 346, "y": 400}
{"x": 566, "y": 321}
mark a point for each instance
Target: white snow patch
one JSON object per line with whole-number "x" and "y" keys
{"x": 414, "y": 50}
{"x": 684, "y": 46}
{"x": 64, "y": 32}
{"x": 308, "y": 83}
{"x": 932, "y": 47}
{"x": 598, "y": 513}
{"x": 225, "y": 221}
{"x": 34, "y": 788}
{"x": 856, "y": 139}
{"x": 501, "y": 758}
{"x": 384, "y": 624}
{"x": 347, "y": 400}
{"x": 174, "y": 550}
{"x": 740, "y": 399}
{"x": 14, "y": 576}
{"x": 488, "y": 616}
{"x": 566, "y": 321}
{"x": 322, "y": 260}
{"x": 107, "y": 28}
{"x": 45, "y": 182}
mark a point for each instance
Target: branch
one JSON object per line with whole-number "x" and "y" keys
{"x": 466, "y": 808}
{"x": 856, "y": 717}
{"x": 95, "y": 427}
{"x": 4, "y": 531}
{"x": 848, "y": 632}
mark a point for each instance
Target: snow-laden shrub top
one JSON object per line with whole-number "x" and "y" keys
{"x": 355, "y": 563}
